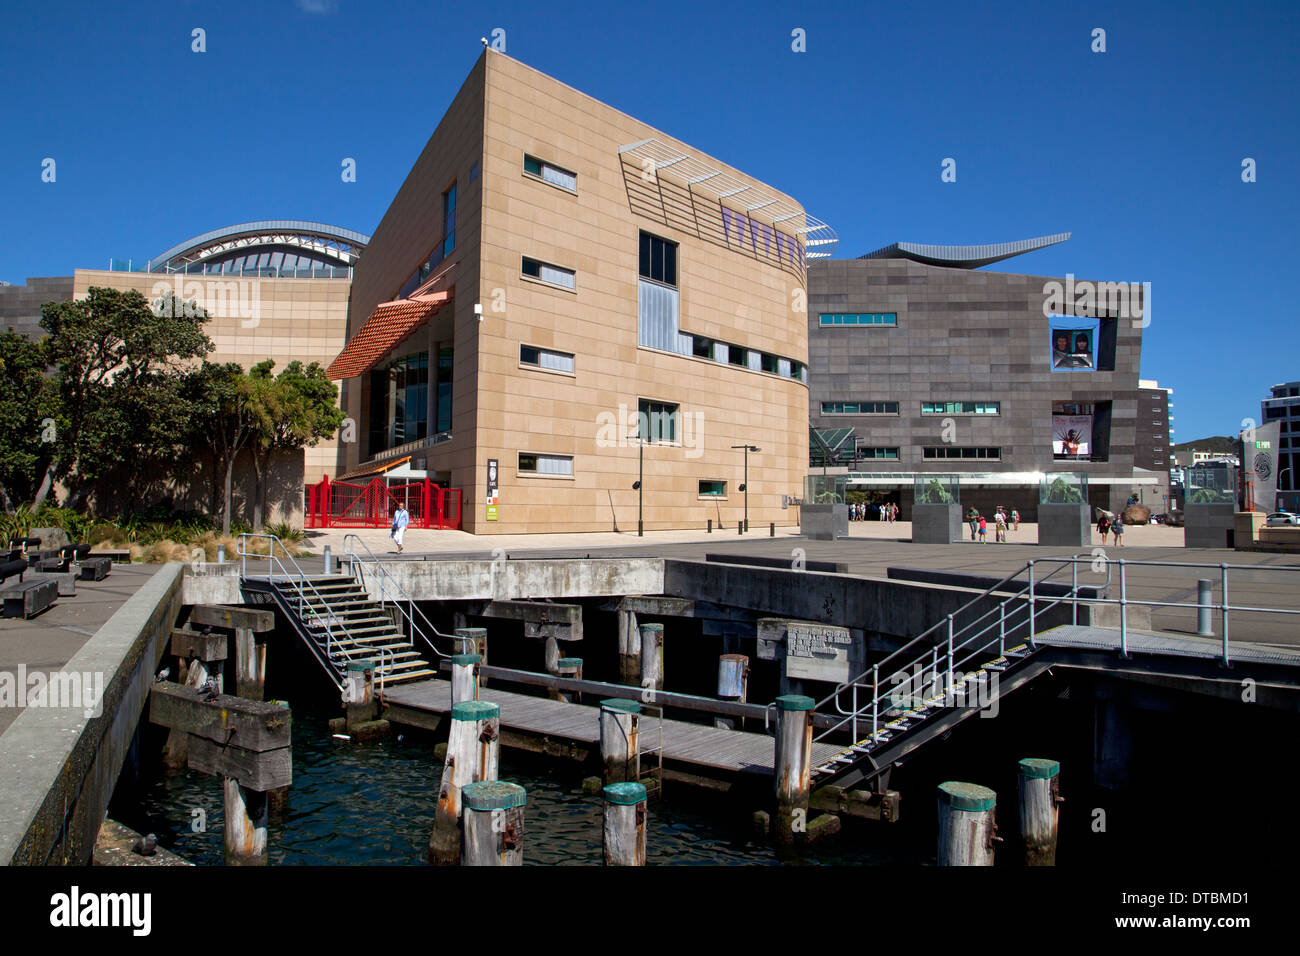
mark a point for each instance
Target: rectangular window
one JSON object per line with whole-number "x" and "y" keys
{"x": 768, "y": 363}
{"x": 531, "y": 464}
{"x": 551, "y": 174}
{"x": 868, "y": 451}
{"x": 446, "y": 362}
{"x": 701, "y": 347}
{"x": 555, "y": 275}
{"x": 737, "y": 356}
{"x": 545, "y": 358}
{"x": 961, "y": 408}
{"x": 858, "y": 318}
{"x": 859, "y": 408}
{"x": 658, "y": 259}
{"x": 965, "y": 452}
{"x": 656, "y": 421}
{"x": 449, "y": 221}
{"x": 714, "y": 489}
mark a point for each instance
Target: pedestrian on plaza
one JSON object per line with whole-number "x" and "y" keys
{"x": 973, "y": 517}
{"x": 1015, "y": 520}
{"x": 400, "y": 520}
{"x": 984, "y": 527}
{"x": 1001, "y": 529}
{"x": 1117, "y": 529}
{"x": 882, "y": 512}
{"x": 1103, "y": 526}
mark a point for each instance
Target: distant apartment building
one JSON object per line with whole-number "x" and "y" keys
{"x": 1282, "y": 408}
{"x": 1155, "y": 436}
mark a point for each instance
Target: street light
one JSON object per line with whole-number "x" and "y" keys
{"x": 636, "y": 485}
{"x": 745, "y": 486}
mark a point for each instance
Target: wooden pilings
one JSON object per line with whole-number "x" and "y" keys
{"x": 493, "y": 831}
{"x": 473, "y": 746}
{"x": 464, "y": 677}
{"x": 568, "y": 667}
{"x": 733, "y": 684}
{"x": 359, "y": 691}
{"x": 793, "y": 765}
{"x": 629, "y": 649}
{"x": 1039, "y": 809}
{"x": 473, "y": 640}
{"x": 967, "y": 828}
{"x": 245, "y": 824}
{"x": 619, "y": 754}
{"x": 624, "y": 824}
{"x": 250, "y": 653}
{"x": 652, "y": 656}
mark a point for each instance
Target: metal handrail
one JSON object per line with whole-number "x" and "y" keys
{"x": 272, "y": 561}
{"x": 355, "y": 561}
{"x": 1033, "y": 607}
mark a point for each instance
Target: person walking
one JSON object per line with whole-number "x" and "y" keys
{"x": 1015, "y": 520}
{"x": 400, "y": 520}
{"x": 984, "y": 527}
{"x": 973, "y": 517}
{"x": 1103, "y": 526}
{"x": 1117, "y": 529}
{"x": 1001, "y": 529}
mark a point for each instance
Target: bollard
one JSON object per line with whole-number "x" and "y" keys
{"x": 793, "y": 765}
{"x": 221, "y": 554}
{"x": 967, "y": 830}
{"x": 359, "y": 691}
{"x": 629, "y": 649}
{"x": 473, "y": 640}
{"x": 493, "y": 832}
{"x": 569, "y": 667}
{"x": 733, "y": 684}
{"x": 1204, "y": 598}
{"x": 652, "y": 656}
{"x": 710, "y": 526}
{"x": 624, "y": 824}
{"x": 472, "y": 749}
{"x": 250, "y": 664}
{"x": 246, "y": 814}
{"x": 464, "y": 677}
{"x": 329, "y": 560}
{"x": 772, "y": 530}
{"x": 740, "y": 527}
{"x": 619, "y": 722}
{"x": 1040, "y": 788}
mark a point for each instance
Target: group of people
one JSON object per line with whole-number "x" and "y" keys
{"x": 885, "y": 512}
{"x": 1111, "y": 524}
{"x": 1002, "y": 521}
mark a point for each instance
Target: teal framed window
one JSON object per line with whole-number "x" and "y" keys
{"x": 878, "y": 452}
{"x": 859, "y": 408}
{"x": 656, "y": 421}
{"x": 858, "y": 318}
{"x": 961, "y": 408}
{"x": 713, "y": 489}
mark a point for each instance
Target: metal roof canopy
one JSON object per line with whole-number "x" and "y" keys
{"x": 334, "y": 241}
{"x": 1006, "y": 478}
{"x": 963, "y": 257}
{"x": 820, "y": 239}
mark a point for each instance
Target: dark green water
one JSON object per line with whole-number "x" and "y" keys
{"x": 372, "y": 803}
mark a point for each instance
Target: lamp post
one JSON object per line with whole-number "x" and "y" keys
{"x": 637, "y": 485}
{"x": 745, "y": 486}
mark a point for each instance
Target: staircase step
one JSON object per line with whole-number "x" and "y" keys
{"x": 406, "y": 676}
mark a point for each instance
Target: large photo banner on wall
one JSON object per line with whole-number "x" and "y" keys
{"x": 1072, "y": 436}
{"x": 1072, "y": 348}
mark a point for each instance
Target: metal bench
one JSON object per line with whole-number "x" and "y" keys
{"x": 29, "y": 598}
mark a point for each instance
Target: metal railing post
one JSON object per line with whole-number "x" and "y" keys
{"x": 1002, "y": 629}
{"x": 875, "y": 698}
{"x": 1123, "y": 611}
{"x": 947, "y": 697}
{"x": 1074, "y": 590}
{"x": 1033, "y": 622}
{"x": 854, "y": 719}
{"x": 1223, "y": 569}
{"x": 934, "y": 666}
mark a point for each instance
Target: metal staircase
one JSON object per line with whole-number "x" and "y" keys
{"x": 335, "y": 617}
{"x": 926, "y": 691}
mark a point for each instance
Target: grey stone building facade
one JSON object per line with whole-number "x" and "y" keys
{"x": 940, "y": 367}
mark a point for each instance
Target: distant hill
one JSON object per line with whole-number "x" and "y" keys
{"x": 1217, "y": 443}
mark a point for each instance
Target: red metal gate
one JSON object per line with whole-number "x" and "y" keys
{"x": 341, "y": 504}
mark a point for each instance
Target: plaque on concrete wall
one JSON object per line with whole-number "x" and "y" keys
{"x": 821, "y": 652}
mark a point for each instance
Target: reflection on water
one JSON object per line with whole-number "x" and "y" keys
{"x": 372, "y": 803}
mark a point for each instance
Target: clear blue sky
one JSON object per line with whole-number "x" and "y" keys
{"x": 1137, "y": 150}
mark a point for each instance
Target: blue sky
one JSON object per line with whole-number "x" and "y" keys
{"x": 1137, "y": 150}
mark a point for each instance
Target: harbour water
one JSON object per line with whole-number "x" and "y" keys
{"x": 372, "y": 804}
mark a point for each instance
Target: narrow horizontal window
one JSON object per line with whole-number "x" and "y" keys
{"x": 859, "y": 408}
{"x": 965, "y": 452}
{"x": 545, "y": 358}
{"x": 531, "y": 464}
{"x": 551, "y": 173}
{"x": 869, "y": 451}
{"x": 716, "y": 489}
{"x": 840, "y": 319}
{"x": 555, "y": 275}
{"x": 961, "y": 408}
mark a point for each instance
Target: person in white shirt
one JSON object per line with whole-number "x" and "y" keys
{"x": 400, "y": 520}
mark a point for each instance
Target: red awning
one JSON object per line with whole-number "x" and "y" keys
{"x": 389, "y": 324}
{"x": 373, "y": 469}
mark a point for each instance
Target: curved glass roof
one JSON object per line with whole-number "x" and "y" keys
{"x": 288, "y": 247}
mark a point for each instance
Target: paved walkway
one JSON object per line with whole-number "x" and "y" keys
{"x": 46, "y": 642}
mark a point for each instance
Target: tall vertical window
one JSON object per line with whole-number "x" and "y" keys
{"x": 657, "y": 315}
{"x": 443, "y": 394}
{"x": 399, "y": 402}
{"x": 449, "y": 221}
{"x": 658, "y": 259}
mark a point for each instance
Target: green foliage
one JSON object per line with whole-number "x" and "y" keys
{"x": 285, "y": 531}
{"x": 29, "y": 418}
{"x": 934, "y": 493}
{"x": 1061, "y": 492}
{"x": 1210, "y": 496}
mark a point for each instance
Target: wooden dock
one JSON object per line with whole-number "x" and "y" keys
{"x": 548, "y": 726}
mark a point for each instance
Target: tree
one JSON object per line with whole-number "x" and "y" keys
{"x": 119, "y": 368}
{"x": 224, "y": 422}
{"x": 294, "y": 409}
{"x": 29, "y": 418}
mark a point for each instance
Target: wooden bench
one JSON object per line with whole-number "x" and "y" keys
{"x": 65, "y": 581}
{"x": 115, "y": 555}
{"x": 29, "y": 598}
{"x": 93, "y": 568}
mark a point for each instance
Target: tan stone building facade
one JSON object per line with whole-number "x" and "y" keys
{"x": 587, "y": 279}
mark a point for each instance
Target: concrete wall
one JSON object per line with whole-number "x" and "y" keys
{"x": 59, "y": 764}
